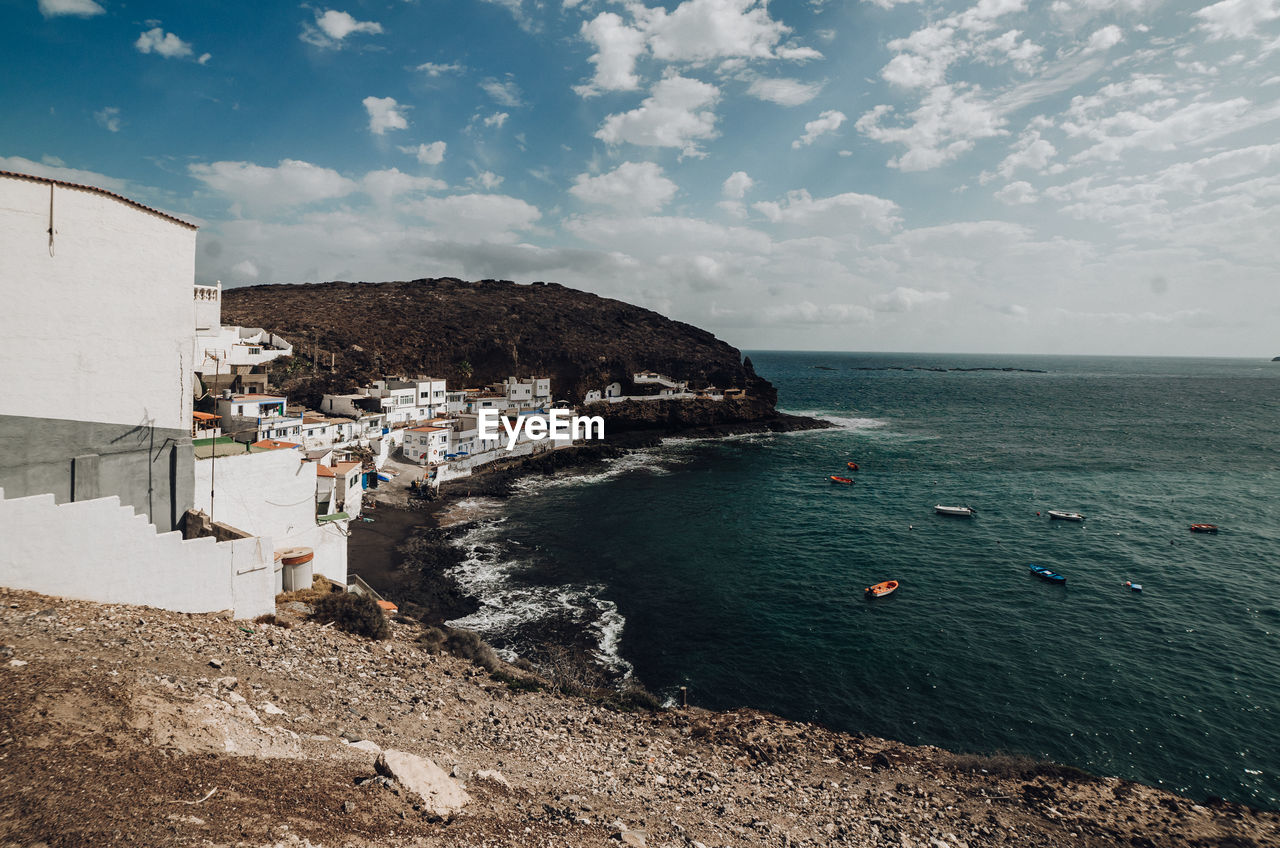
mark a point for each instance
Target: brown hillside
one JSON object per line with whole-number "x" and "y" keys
{"x": 472, "y": 333}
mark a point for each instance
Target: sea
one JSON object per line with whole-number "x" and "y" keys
{"x": 735, "y": 568}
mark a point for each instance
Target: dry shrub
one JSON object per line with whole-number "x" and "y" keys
{"x": 352, "y": 613}
{"x": 270, "y": 618}
{"x": 464, "y": 644}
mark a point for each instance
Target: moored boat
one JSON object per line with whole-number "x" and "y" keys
{"x": 958, "y": 511}
{"x": 1135, "y": 587}
{"x": 880, "y": 589}
{"x": 853, "y": 466}
{"x": 845, "y": 481}
{"x": 1204, "y": 528}
{"x": 1059, "y": 515}
{"x": 1046, "y": 575}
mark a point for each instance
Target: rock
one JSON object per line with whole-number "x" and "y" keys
{"x": 440, "y": 793}
{"x": 633, "y": 838}
{"x": 348, "y": 806}
{"x": 493, "y": 776}
{"x": 365, "y": 745}
{"x": 271, "y": 709}
{"x": 299, "y": 607}
{"x": 17, "y": 663}
{"x": 216, "y": 663}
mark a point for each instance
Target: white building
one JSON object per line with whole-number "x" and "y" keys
{"x": 352, "y": 405}
{"x": 274, "y": 494}
{"x": 432, "y": 397}
{"x": 96, "y": 355}
{"x": 251, "y": 418}
{"x": 95, "y": 335}
{"x": 427, "y": 445}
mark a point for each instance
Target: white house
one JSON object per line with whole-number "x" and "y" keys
{"x": 251, "y": 418}
{"x": 432, "y": 396}
{"x": 455, "y": 403}
{"x": 398, "y": 399}
{"x": 96, "y": 355}
{"x": 273, "y": 493}
{"x": 426, "y": 445}
{"x": 351, "y": 405}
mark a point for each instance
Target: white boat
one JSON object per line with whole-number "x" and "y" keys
{"x": 1065, "y": 516}
{"x": 960, "y": 511}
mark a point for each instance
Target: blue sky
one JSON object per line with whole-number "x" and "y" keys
{"x": 1073, "y": 176}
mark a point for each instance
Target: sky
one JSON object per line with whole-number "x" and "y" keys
{"x": 1068, "y": 176}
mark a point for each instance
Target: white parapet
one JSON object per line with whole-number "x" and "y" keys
{"x": 98, "y": 550}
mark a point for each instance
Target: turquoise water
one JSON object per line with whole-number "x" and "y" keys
{"x": 734, "y": 568}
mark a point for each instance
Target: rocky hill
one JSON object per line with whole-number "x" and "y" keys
{"x": 133, "y": 726}
{"x": 473, "y": 333}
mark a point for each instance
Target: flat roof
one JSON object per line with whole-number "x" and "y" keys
{"x": 205, "y": 416}
{"x": 428, "y": 429}
{"x": 81, "y": 187}
{"x": 274, "y": 444}
{"x": 257, "y": 397}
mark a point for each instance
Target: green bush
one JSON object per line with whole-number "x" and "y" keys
{"x": 358, "y": 614}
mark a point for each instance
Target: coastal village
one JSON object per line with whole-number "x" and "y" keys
{"x": 159, "y": 495}
{"x": 217, "y": 490}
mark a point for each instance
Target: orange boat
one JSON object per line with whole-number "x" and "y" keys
{"x": 845, "y": 480}
{"x": 853, "y": 466}
{"x": 1204, "y": 528}
{"x": 881, "y": 589}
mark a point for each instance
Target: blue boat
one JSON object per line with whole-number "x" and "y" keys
{"x": 1046, "y": 575}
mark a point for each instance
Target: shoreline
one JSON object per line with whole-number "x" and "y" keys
{"x": 408, "y": 553}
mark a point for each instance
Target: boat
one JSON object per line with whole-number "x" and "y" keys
{"x": 853, "y": 466}
{"x": 844, "y": 480}
{"x": 1059, "y": 515}
{"x": 1046, "y": 575}
{"x": 1136, "y": 587}
{"x": 958, "y": 511}
{"x": 1204, "y": 528}
{"x": 880, "y": 589}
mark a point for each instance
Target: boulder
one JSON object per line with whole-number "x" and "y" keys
{"x": 441, "y": 794}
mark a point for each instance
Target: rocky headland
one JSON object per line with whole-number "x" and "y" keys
{"x": 475, "y": 333}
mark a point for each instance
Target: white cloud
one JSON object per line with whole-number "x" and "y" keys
{"x": 485, "y": 180}
{"x": 476, "y": 217}
{"x": 108, "y": 118}
{"x": 702, "y": 30}
{"x": 497, "y": 119}
{"x": 673, "y": 115}
{"x": 505, "y": 92}
{"x": 166, "y": 44}
{"x": 433, "y": 69}
{"x": 1237, "y": 18}
{"x": 618, "y": 46}
{"x": 827, "y": 122}
{"x": 695, "y": 32}
{"x": 784, "y": 92}
{"x": 382, "y": 186}
{"x": 889, "y": 4}
{"x": 257, "y": 188}
{"x": 1198, "y": 122}
{"x": 737, "y": 185}
{"x": 55, "y": 169}
{"x": 807, "y": 312}
{"x": 78, "y": 8}
{"x": 638, "y": 186}
{"x": 1016, "y": 194}
{"x": 839, "y": 213}
{"x": 1030, "y": 151}
{"x": 427, "y": 154}
{"x": 904, "y": 299}
{"x": 331, "y": 28}
{"x": 947, "y": 123}
{"x": 1104, "y": 39}
{"x": 246, "y": 270}
{"x": 384, "y": 114}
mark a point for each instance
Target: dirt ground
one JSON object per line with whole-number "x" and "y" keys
{"x": 132, "y": 726}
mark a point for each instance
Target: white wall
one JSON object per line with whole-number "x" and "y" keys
{"x": 273, "y": 494}
{"x": 99, "y": 325}
{"x": 98, "y": 550}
